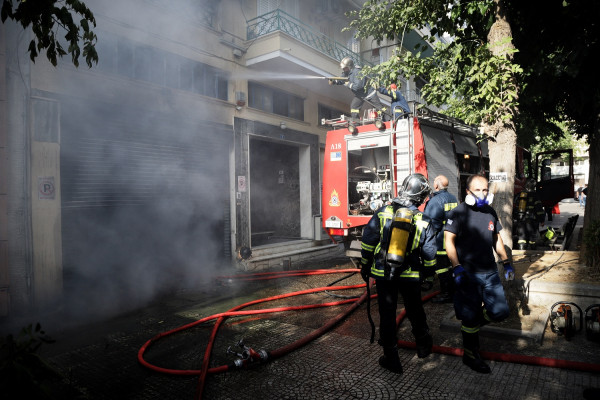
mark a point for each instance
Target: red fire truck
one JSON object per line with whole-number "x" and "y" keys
{"x": 364, "y": 165}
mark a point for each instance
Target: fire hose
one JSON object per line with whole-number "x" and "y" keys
{"x": 262, "y": 355}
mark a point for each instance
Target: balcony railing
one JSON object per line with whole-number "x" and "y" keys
{"x": 280, "y": 21}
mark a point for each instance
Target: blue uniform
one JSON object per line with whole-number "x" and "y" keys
{"x": 362, "y": 92}
{"x": 438, "y": 207}
{"x": 397, "y": 101}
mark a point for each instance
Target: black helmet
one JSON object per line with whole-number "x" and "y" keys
{"x": 414, "y": 190}
{"x": 347, "y": 62}
{"x": 530, "y": 185}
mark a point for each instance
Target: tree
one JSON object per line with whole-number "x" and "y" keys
{"x": 48, "y": 19}
{"x": 474, "y": 73}
{"x": 563, "y": 82}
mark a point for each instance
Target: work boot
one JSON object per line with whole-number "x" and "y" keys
{"x": 446, "y": 292}
{"x": 471, "y": 356}
{"x": 424, "y": 345}
{"x": 390, "y": 360}
{"x": 474, "y": 361}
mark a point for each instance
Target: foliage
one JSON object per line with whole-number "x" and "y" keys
{"x": 591, "y": 238}
{"x": 21, "y": 368}
{"x": 566, "y": 139}
{"x": 464, "y": 74}
{"x": 50, "y": 18}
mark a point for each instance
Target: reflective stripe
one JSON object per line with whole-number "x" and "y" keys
{"x": 449, "y": 206}
{"x": 442, "y": 252}
{"x": 429, "y": 263}
{"x": 410, "y": 274}
{"x": 469, "y": 330}
{"x": 367, "y": 247}
{"x": 441, "y": 271}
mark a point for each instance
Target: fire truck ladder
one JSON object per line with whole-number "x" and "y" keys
{"x": 402, "y": 156}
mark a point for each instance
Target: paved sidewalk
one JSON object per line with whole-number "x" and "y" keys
{"x": 101, "y": 359}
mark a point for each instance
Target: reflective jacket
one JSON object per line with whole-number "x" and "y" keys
{"x": 533, "y": 207}
{"x": 438, "y": 207}
{"x": 421, "y": 244}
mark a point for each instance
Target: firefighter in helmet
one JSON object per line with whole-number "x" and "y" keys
{"x": 360, "y": 88}
{"x": 397, "y": 243}
{"x": 528, "y": 212}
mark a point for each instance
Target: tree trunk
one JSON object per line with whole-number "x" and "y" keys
{"x": 593, "y": 192}
{"x": 503, "y": 148}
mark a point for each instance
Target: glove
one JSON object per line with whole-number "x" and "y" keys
{"x": 459, "y": 275}
{"x": 348, "y": 84}
{"x": 330, "y": 81}
{"x": 509, "y": 271}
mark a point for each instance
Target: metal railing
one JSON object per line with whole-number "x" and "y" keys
{"x": 279, "y": 20}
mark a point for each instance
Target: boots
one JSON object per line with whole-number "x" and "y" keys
{"x": 390, "y": 360}
{"x": 471, "y": 356}
{"x": 424, "y": 345}
{"x": 446, "y": 288}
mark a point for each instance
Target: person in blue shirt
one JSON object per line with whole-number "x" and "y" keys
{"x": 438, "y": 207}
{"x": 399, "y": 104}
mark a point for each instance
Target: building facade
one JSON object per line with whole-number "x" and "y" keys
{"x": 195, "y": 141}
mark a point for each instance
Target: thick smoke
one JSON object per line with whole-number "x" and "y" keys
{"x": 144, "y": 199}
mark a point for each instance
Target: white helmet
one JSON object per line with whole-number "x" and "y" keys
{"x": 347, "y": 62}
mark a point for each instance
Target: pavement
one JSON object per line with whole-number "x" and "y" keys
{"x": 99, "y": 359}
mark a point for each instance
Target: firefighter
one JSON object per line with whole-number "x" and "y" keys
{"x": 471, "y": 236}
{"x": 528, "y": 212}
{"x": 358, "y": 84}
{"x": 438, "y": 207}
{"x": 412, "y": 253}
{"x": 398, "y": 102}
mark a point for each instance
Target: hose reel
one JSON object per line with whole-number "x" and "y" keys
{"x": 562, "y": 319}
{"x": 592, "y": 322}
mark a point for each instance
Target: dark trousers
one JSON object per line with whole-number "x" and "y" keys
{"x": 387, "y": 298}
{"x": 359, "y": 100}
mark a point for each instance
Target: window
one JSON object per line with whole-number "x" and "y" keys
{"x": 275, "y": 101}
{"x": 146, "y": 63}
{"x": 326, "y": 112}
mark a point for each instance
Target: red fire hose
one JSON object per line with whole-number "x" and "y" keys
{"x": 237, "y": 311}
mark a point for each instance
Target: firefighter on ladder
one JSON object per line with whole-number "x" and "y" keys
{"x": 528, "y": 212}
{"x": 438, "y": 207}
{"x": 396, "y": 244}
{"x": 359, "y": 86}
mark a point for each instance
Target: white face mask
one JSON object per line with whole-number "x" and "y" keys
{"x": 479, "y": 202}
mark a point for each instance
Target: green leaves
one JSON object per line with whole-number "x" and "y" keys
{"x": 48, "y": 21}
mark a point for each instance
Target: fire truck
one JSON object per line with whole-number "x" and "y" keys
{"x": 365, "y": 164}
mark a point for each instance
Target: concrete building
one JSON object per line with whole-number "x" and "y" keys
{"x": 194, "y": 142}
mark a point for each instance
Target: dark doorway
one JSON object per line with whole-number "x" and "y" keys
{"x": 274, "y": 192}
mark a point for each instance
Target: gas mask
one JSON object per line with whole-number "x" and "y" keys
{"x": 479, "y": 202}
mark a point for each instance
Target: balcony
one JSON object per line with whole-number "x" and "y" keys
{"x": 279, "y": 21}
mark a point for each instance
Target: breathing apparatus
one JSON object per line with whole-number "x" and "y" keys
{"x": 562, "y": 320}
{"x": 401, "y": 228}
{"x": 522, "y": 205}
{"x": 479, "y": 202}
{"x": 592, "y": 322}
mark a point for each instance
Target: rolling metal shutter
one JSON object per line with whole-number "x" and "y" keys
{"x": 439, "y": 154}
{"x": 142, "y": 188}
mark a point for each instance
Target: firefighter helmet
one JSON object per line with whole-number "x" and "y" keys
{"x": 414, "y": 190}
{"x": 347, "y": 62}
{"x": 530, "y": 185}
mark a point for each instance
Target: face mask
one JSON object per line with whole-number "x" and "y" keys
{"x": 479, "y": 202}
